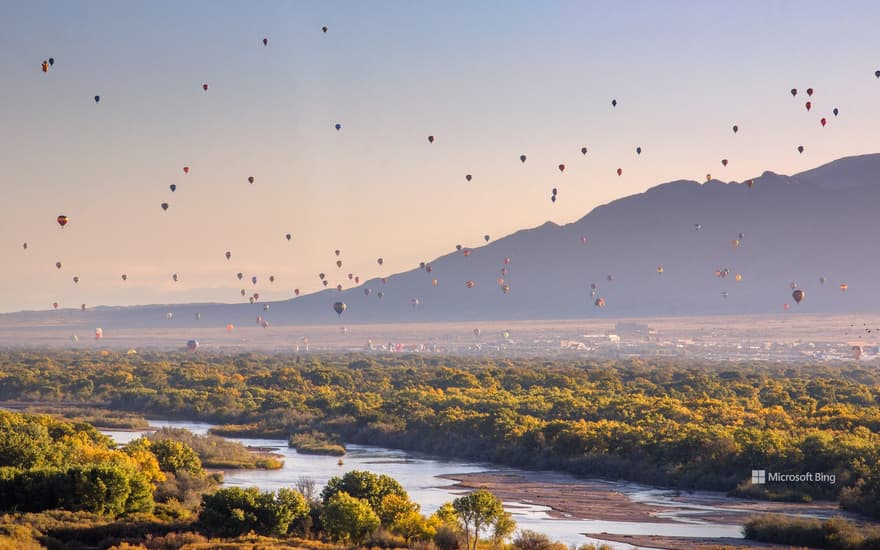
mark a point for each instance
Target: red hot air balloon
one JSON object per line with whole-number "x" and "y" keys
{"x": 724, "y": 162}
{"x": 823, "y": 122}
{"x": 808, "y": 105}
{"x": 62, "y": 220}
{"x": 250, "y": 179}
{"x": 619, "y": 171}
{"x": 561, "y": 168}
{"x": 186, "y": 169}
{"x": 205, "y": 87}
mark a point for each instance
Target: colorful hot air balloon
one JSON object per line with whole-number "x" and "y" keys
{"x": 798, "y": 295}
{"x": 339, "y": 307}
{"x": 229, "y": 327}
{"x": 62, "y": 220}
{"x": 45, "y": 66}
{"x": 505, "y": 288}
{"x": 659, "y": 269}
{"x": 99, "y": 333}
{"x": 522, "y": 158}
{"x": 600, "y": 302}
{"x": 469, "y": 284}
{"x": 192, "y": 345}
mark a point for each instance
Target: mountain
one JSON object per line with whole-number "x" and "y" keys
{"x": 819, "y": 223}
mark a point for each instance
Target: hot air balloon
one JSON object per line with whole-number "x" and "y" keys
{"x": 505, "y": 288}
{"x": 380, "y": 295}
{"x": 430, "y": 139}
{"x": 584, "y": 151}
{"x": 793, "y": 92}
{"x": 271, "y": 278}
{"x": 750, "y": 183}
{"x": 172, "y": 187}
{"x": 500, "y": 281}
{"x": 99, "y": 333}
{"x": 357, "y": 280}
{"x": 192, "y": 345}
{"x": 254, "y": 280}
{"x": 822, "y": 280}
{"x": 594, "y": 286}
{"x": 724, "y": 162}
{"x": 243, "y": 292}
{"x": 697, "y": 226}
{"x": 186, "y": 169}
{"x": 97, "y": 99}
{"x": 228, "y": 254}
{"x": 738, "y": 278}
{"x": 522, "y": 158}
{"x": 325, "y": 282}
{"x": 288, "y": 236}
{"x": 735, "y": 128}
{"x": 735, "y": 243}
{"x": 614, "y": 103}
{"x": 51, "y": 61}
{"x": 55, "y": 305}
{"x": 434, "y": 282}
{"x": 553, "y": 191}
{"x": 786, "y": 307}
{"x": 174, "y": 277}
{"x": 338, "y": 263}
{"x": 798, "y": 295}
{"x": 265, "y": 41}
{"x": 823, "y": 122}
{"x": 793, "y": 285}
{"x": 414, "y": 302}
{"x": 469, "y": 284}
{"x": 124, "y": 277}
{"x": 708, "y": 177}
{"x": 45, "y": 67}
{"x": 844, "y": 287}
{"x": 808, "y": 105}
{"x": 252, "y": 299}
{"x": 835, "y": 111}
{"x": 561, "y": 167}
{"x": 296, "y": 291}
{"x": 239, "y": 275}
{"x": 58, "y": 265}
{"x": 724, "y": 294}
{"x": 321, "y": 276}
{"x": 24, "y": 245}
{"x": 337, "y": 252}
{"x": 164, "y": 206}
{"x": 324, "y": 29}
{"x": 380, "y": 261}
{"x": 458, "y": 247}
{"x": 338, "y": 126}
{"x": 469, "y": 177}
{"x": 600, "y": 302}
{"x": 205, "y": 87}
{"x": 810, "y": 92}
{"x": 553, "y": 198}
{"x": 619, "y": 171}
{"x": 638, "y": 150}
{"x": 198, "y": 316}
{"x": 507, "y": 261}
{"x": 800, "y": 149}
{"x": 428, "y": 268}
{"x": 62, "y": 220}
{"x": 610, "y": 278}
{"x": 476, "y": 333}
{"x": 367, "y": 291}
{"x": 339, "y": 307}
{"x": 250, "y": 179}
{"x": 486, "y": 238}
{"x": 741, "y": 236}
{"x": 466, "y": 252}
{"x": 75, "y": 279}
{"x": 339, "y": 288}
{"x": 659, "y": 269}
{"x": 229, "y": 327}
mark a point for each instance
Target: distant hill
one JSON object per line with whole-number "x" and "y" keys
{"x": 819, "y": 223}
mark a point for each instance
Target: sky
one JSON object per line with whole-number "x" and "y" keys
{"x": 489, "y": 80}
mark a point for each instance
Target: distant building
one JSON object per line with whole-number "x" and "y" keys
{"x": 631, "y": 330}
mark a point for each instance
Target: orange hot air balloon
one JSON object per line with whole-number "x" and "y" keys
{"x": 62, "y": 220}
{"x": 469, "y": 284}
{"x": 738, "y": 278}
{"x": 735, "y": 243}
{"x": 45, "y": 66}
{"x": 659, "y": 269}
{"x": 619, "y": 171}
{"x": 229, "y": 327}
{"x": 434, "y": 282}
{"x": 500, "y": 281}
{"x": 844, "y": 287}
{"x": 600, "y": 302}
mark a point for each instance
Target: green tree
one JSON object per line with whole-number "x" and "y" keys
{"x": 175, "y": 456}
{"x": 366, "y": 485}
{"x": 349, "y": 519}
{"x": 236, "y": 511}
{"x": 475, "y": 512}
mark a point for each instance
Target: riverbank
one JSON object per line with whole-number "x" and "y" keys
{"x": 567, "y": 497}
{"x": 684, "y": 543}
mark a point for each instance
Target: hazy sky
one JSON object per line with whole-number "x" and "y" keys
{"x": 490, "y": 80}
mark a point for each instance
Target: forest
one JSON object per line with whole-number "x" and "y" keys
{"x": 685, "y": 425}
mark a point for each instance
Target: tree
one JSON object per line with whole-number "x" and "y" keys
{"x": 394, "y": 506}
{"x": 475, "y": 512}
{"x": 366, "y": 485}
{"x": 175, "y": 456}
{"x": 347, "y": 518}
{"x": 236, "y": 511}
{"x": 502, "y": 527}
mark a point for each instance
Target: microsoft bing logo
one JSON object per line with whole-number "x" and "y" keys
{"x": 759, "y": 477}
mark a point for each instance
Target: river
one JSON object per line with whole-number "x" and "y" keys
{"x": 418, "y": 475}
